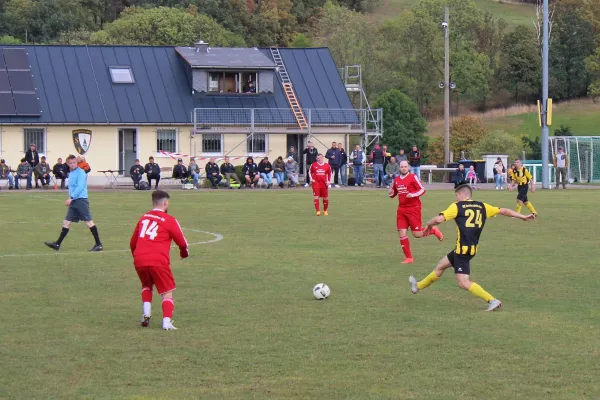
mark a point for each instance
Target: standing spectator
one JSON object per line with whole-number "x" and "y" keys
{"x": 392, "y": 170}
{"x": 213, "y": 173}
{"x": 279, "y": 171}
{"x": 358, "y": 159}
{"x": 60, "y": 171}
{"x": 152, "y": 170}
{"x": 33, "y": 158}
{"x": 228, "y": 172}
{"x": 378, "y": 158}
{"x": 291, "y": 169}
{"x": 311, "y": 157}
{"x": 415, "y": 161}
{"x": 499, "y": 174}
{"x": 42, "y": 172}
{"x": 136, "y": 172}
{"x": 343, "y": 164}
{"x": 561, "y": 164}
{"x": 472, "y": 177}
{"x": 81, "y": 163}
{"x": 250, "y": 172}
{"x": 5, "y": 174}
{"x": 264, "y": 169}
{"x": 401, "y": 157}
{"x": 386, "y": 156}
{"x": 334, "y": 156}
{"x": 194, "y": 172}
{"x": 460, "y": 176}
{"x": 292, "y": 153}
{"x": 24, "y": 172}
{"x": 180, "y": 171}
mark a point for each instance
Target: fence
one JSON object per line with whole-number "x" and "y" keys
{"x": 583, "y": 153}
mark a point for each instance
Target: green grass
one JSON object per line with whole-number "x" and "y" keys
{"x": 249, "y": 328}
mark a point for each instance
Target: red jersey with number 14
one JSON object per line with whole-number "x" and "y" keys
{"x": 151, "y": 241}
{"x": 320, "y": 174}
{"x": 405, "y": 185}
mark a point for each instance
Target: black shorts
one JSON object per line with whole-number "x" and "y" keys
{"x": 461, "y": 263}
{"x": 522, "y": 195}
{"x": 79, "y": 210}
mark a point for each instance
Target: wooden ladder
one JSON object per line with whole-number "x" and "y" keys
{"x": 288, "y": 89}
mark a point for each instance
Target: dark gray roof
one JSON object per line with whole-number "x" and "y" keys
{"x": 219, "y": 57}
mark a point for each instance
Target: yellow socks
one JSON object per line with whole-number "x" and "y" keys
{"x": 479, "y": 292}
{"x": 429, "y": 279}
{"x": 530, "y": 206}
{"x": 519, "y": 207}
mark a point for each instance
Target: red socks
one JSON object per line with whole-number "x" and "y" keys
{"x": 405, "y": 243}
{"x": 168, "y": 305}
{"x": 325, "y": 204}
{"x": 316, "y": 202}
{"x": 146, "y": 295}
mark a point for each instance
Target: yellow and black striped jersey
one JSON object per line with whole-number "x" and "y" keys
{"x": 522, "y": 176}
{"x": 470, "y": 217}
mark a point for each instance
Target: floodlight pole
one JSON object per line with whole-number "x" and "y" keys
{"x": 446, "y": 87}
{"x": 544, "y": 116}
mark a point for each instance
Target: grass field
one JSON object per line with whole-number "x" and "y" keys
{"x": 248, "y": 328}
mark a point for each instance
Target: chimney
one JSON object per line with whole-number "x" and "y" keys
{"x": 202, "y": 46}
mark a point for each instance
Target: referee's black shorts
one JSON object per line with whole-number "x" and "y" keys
{"x": 79, "y": 210}
{"x": 522, "y": 192}
{"x": 460, "y": 262}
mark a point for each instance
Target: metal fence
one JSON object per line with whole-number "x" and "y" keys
{"x": 584, "y": 156}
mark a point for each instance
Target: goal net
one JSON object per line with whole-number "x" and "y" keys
{"x": 584, "y": 156}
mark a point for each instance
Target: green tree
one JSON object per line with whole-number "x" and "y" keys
{"x": 533, "y": 148}
{"x": 498, "y": 142}
{"x": 6, "y": 39}
{"x": 403, "y": 126}
{"x": 301, "y": 41}
{"x": 521, "y": 63}
{"x": 465, "y": 134}
{"x": 564, "y": 130}
{"x": 592, "y": 66}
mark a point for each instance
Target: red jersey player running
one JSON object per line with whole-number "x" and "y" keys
{"x": 408, "y": 188}
{"x": 320, "y": 178}
{"x": 150, "y": 246}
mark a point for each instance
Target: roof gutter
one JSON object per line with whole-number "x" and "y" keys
{"x": 274, "y": 67}
{"x": 160, "y": 124}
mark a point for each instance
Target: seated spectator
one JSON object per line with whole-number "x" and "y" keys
{"x": 81, "y": 163}
{"x": 291, "y": 169}
{"x": 460, "y": 177}
{"x": 264, "y": 169}
{"x": 42, "y": 172}
{"x": 392, "y": 170}
{"x": 5, "y": 174}
{"x": 213, "y": 173}
{"x": 472, "y": 177}
{"x": 279, "y": 171}
{"x": 24, "y": 172}
{"x": 136, "y": 172}
{"x": 180, "y": 171}
{"x": 194, "y": 172}
{"x": 152, "y": 171}
{"x": 250, "y": 172}
{"x": 60, "y": 171}
{"x": 228, "y": 172}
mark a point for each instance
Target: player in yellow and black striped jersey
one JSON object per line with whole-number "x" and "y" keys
{"x": 470, "y": 217}
{"x": 522, "y": 177}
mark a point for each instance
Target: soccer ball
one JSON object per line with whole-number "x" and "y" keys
{"x": 321, "y": 291}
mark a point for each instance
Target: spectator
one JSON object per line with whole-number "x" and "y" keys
{"x": 386, "y": 156}
{"x": 415, "y": 161}
{"x": 561, "y": 163}
{"x": 228, "y": 172}
{"x": 358, "y": 159}
{"x": 24, "y": 172}
{"x": 194, "y": 172}
{"x": 81, "y": 163}
{"x": 291, "y": 169}
{"x": 42, "y": 172}
{"x": 213, "y": 173}
{"x": 180, "y": 171}
{"x": 460, "y": 177}
{"x": 378, "y": 158}
{"x": 512, "y": 167}
{"x": 472, "y": 177}
{"x": 264, "y": 169}
{"x": 250, "y": 172}
{"x": 32, "y": 156}
{"x": 401, "y": 157}
{"x": 279, "y": 170}
{"x": 251, "y": 88}
{"x": 136, "y": 171}
{"x": 5, "y": 174}
{"x": 343, "y": 164}
{"x": 152, "y": 170}
{"x": 292, "y": 153}
{"x": 311, "y": 157}
{"x": 392, "y": 170}
{"x": 334, "y": 156}
{"x": 60, "y": 171}
{"x": 499, "y": 174}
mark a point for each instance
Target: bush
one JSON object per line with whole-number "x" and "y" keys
{"x": 499, "y": 142}
{"x": 564, "y": 130}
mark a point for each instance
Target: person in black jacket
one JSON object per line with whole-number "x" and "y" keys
{"x": 264, "y": 169}
{"x": 60, "y": 171}
{"x": 228, "y": 172}
{"x": 33, "y": 158}
{"x": 460, "y": 176}
{"x": 334, "y": 156}
{"x": 343, "y": 162}
{"x": 180, "y": 171}
{"x": 311, "y": 157}
{"x": 250, "y": 172}
{"x": 415, "y": 161}
{"x": 152, "y": 170}
{"x": 213, "y": 173}
{"x": 136, "y": 172}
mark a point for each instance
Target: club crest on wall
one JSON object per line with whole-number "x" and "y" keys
{"x": 82, "y": 138}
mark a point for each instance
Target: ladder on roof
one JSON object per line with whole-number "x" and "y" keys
{"x": 288, "y": 89}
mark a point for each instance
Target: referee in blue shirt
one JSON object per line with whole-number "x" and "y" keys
{"x": 79, "y": 206}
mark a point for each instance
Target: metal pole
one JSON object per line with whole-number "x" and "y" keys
{"x": 545, "y": 161}
{"x": 447, "y": 87}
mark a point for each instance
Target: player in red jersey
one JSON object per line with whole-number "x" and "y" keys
{"x": 408, "y": 188}
{"x": 150, "y": 246}
{"x": 320, "y": 178}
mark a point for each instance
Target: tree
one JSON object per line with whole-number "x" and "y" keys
{"x": 521, "y": 63}
{"x": 564, "y": 130}
{"x": 534, "y": 148}
{"x": 403, "y": 126}
{"x": 465, "y": 134}
{"x": 498, "y": 142}
{"x": 6, "y": 39}
{"x": 301, "y": 41}
{"x": 592, "y": 66}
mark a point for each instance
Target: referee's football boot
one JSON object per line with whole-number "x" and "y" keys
{"x": 97, "y": 247}
{"x": 494, "y": 305}
{"x": 53, "y": 245}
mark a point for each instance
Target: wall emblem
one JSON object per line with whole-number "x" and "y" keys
{"x": 82, "y": 138}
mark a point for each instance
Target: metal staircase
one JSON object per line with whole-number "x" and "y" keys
{"x": 288, "y": 89}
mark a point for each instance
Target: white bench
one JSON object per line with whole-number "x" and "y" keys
{"x": 434, "y": 168}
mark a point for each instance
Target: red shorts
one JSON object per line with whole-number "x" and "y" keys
{"x": 409, "y": 218}
{"x": 321, "y": 192}
{"x": 161, "y": 277}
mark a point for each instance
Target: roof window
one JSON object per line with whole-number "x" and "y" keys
{"x": 121, "y": 75}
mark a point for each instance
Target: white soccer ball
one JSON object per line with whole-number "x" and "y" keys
{"x": 321, "y": 291}
{"x": 571, "y": 180}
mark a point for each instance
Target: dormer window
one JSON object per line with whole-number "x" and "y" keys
{"x": 232, "y": 82}
{"x": 121, "y": 75}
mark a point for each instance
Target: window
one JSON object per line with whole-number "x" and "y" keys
{"x": 36, "y": 136}
{"x": 232, "y": 82}
{"x": 121, "y": 75}
{"x": 257, "y": 144}
{"x": 212, "y": 143}
{"x": 166, "y": 140}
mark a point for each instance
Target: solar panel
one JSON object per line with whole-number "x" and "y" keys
{"x": 21, "y": 81}
{"x": 2, "y": 64}
{"x": 27, "y": 104}
{"x": 16, "y": 58}
{"x": 7, "y": 106}
{"x": 4, "y": 83}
